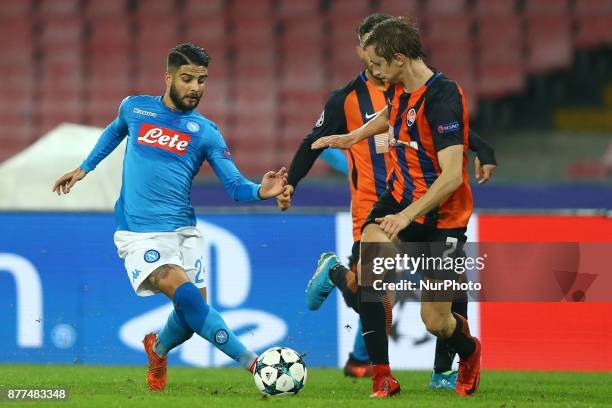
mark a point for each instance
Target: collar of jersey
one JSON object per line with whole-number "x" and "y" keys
{"x": 423, "y": 87}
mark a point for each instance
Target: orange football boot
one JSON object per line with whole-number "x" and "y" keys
{"x": 253, "y": 365}
{"x": 156, "y": 374}
{"x": 383, "y": 383}
{"x": 469, "y": 372}
{"x": 357, "y": 369}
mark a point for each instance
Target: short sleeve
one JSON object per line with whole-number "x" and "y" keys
{"x": 444, "y": 112}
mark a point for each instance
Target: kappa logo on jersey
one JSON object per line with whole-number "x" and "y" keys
{"x": 411, "y": 117}
{"x": 164, "y": 138}
{"x": 145, "y": 113}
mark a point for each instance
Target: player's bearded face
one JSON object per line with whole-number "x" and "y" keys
{"x": 187, "y": 87}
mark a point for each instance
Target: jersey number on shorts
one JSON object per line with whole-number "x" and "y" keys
{"x": 198, "y": 266}
{"x": 453, "y": 247}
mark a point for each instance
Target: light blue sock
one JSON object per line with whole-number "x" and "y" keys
{"x": 359, "y": 349}
{"x": 192, "y": 311}
{"x": 171, "y": 335}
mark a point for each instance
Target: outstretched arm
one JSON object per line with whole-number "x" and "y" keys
{"x": 114, "y": 133}
{"x": 331, "y": 121}
{"x": 239, "y": 187}
{"x": 376, "y": 126}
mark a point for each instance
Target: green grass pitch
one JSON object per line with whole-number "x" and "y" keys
{"x": 96, "y": 386}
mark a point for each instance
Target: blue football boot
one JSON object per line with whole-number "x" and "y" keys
{"x": 443, "y": 381}
{"x": 320, "y": 285}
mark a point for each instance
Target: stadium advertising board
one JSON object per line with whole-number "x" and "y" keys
{"x": 66, "y": 297}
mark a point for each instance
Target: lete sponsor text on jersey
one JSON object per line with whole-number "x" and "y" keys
{"x": 164, "y": 138}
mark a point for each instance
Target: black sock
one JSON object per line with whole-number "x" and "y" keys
{"x": 461, "y": 340}
{"x": 374, "y": 329}
{"x": 460, "y": 307}
{"x": 351, "y": 299}
{"x": 337, "y": 274}
{"x": 443, "y": 361}
{"x": 445, "y": 355}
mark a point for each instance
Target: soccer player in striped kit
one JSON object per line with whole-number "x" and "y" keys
{"x": 428, "y": 197}
{"x": 347, "y": 110}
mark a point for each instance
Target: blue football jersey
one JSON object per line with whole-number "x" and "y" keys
{"x": 165, "y": 149}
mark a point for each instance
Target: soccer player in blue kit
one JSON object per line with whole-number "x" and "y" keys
{"x": 167, "y": 142}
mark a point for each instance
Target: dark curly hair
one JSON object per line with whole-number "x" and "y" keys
{"x": 187, "y": 54}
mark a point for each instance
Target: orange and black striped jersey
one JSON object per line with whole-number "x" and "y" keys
{"x": 346, "y": 110}
{"x": 426, "y": 121}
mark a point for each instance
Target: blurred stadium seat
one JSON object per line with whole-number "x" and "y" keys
{"x": 62, "y": 83}
{"x": 16, "y": 44}
{"x": 59, "y": 8}
{"x": 157, "y": 35}
{"x": 592, "y": 7}
{"x": 343, "y": 62}
{"x": 302, "y": 65}
{"x": 298, "y": 113}
{"x": 253, "y": 143}
{"x": 17, "y": 97}
{"x": 499, "y": 69}
{"x": 106, "y": 8}
{"x": 548, "y": 43}
{"x": 245, "y": 10}
{"x": 593, "y": 31}
{"x": 108, "y": 67}
{"x": 211, "y": 32}
{"x": 207, "y": 9}
{"x": 157, "y": 8}
{"x": 14, "y": 8}
{"x": 301, "y": 104}
{"x": 488, "y": 8}
{"x": 406, "y": 8}
{"x": 444, "y": 7}
{"x": 302, "y": 9}
{"x": 346, "y": 9}
{"x": 547, "y": 7}
{"x": 94, "y": 53}
{"x": 592, "y": 20}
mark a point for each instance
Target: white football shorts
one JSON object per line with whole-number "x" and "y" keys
{"x": 143, "y": 252}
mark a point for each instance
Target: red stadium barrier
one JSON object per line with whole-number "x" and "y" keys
{"x": 546, "y": 336}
